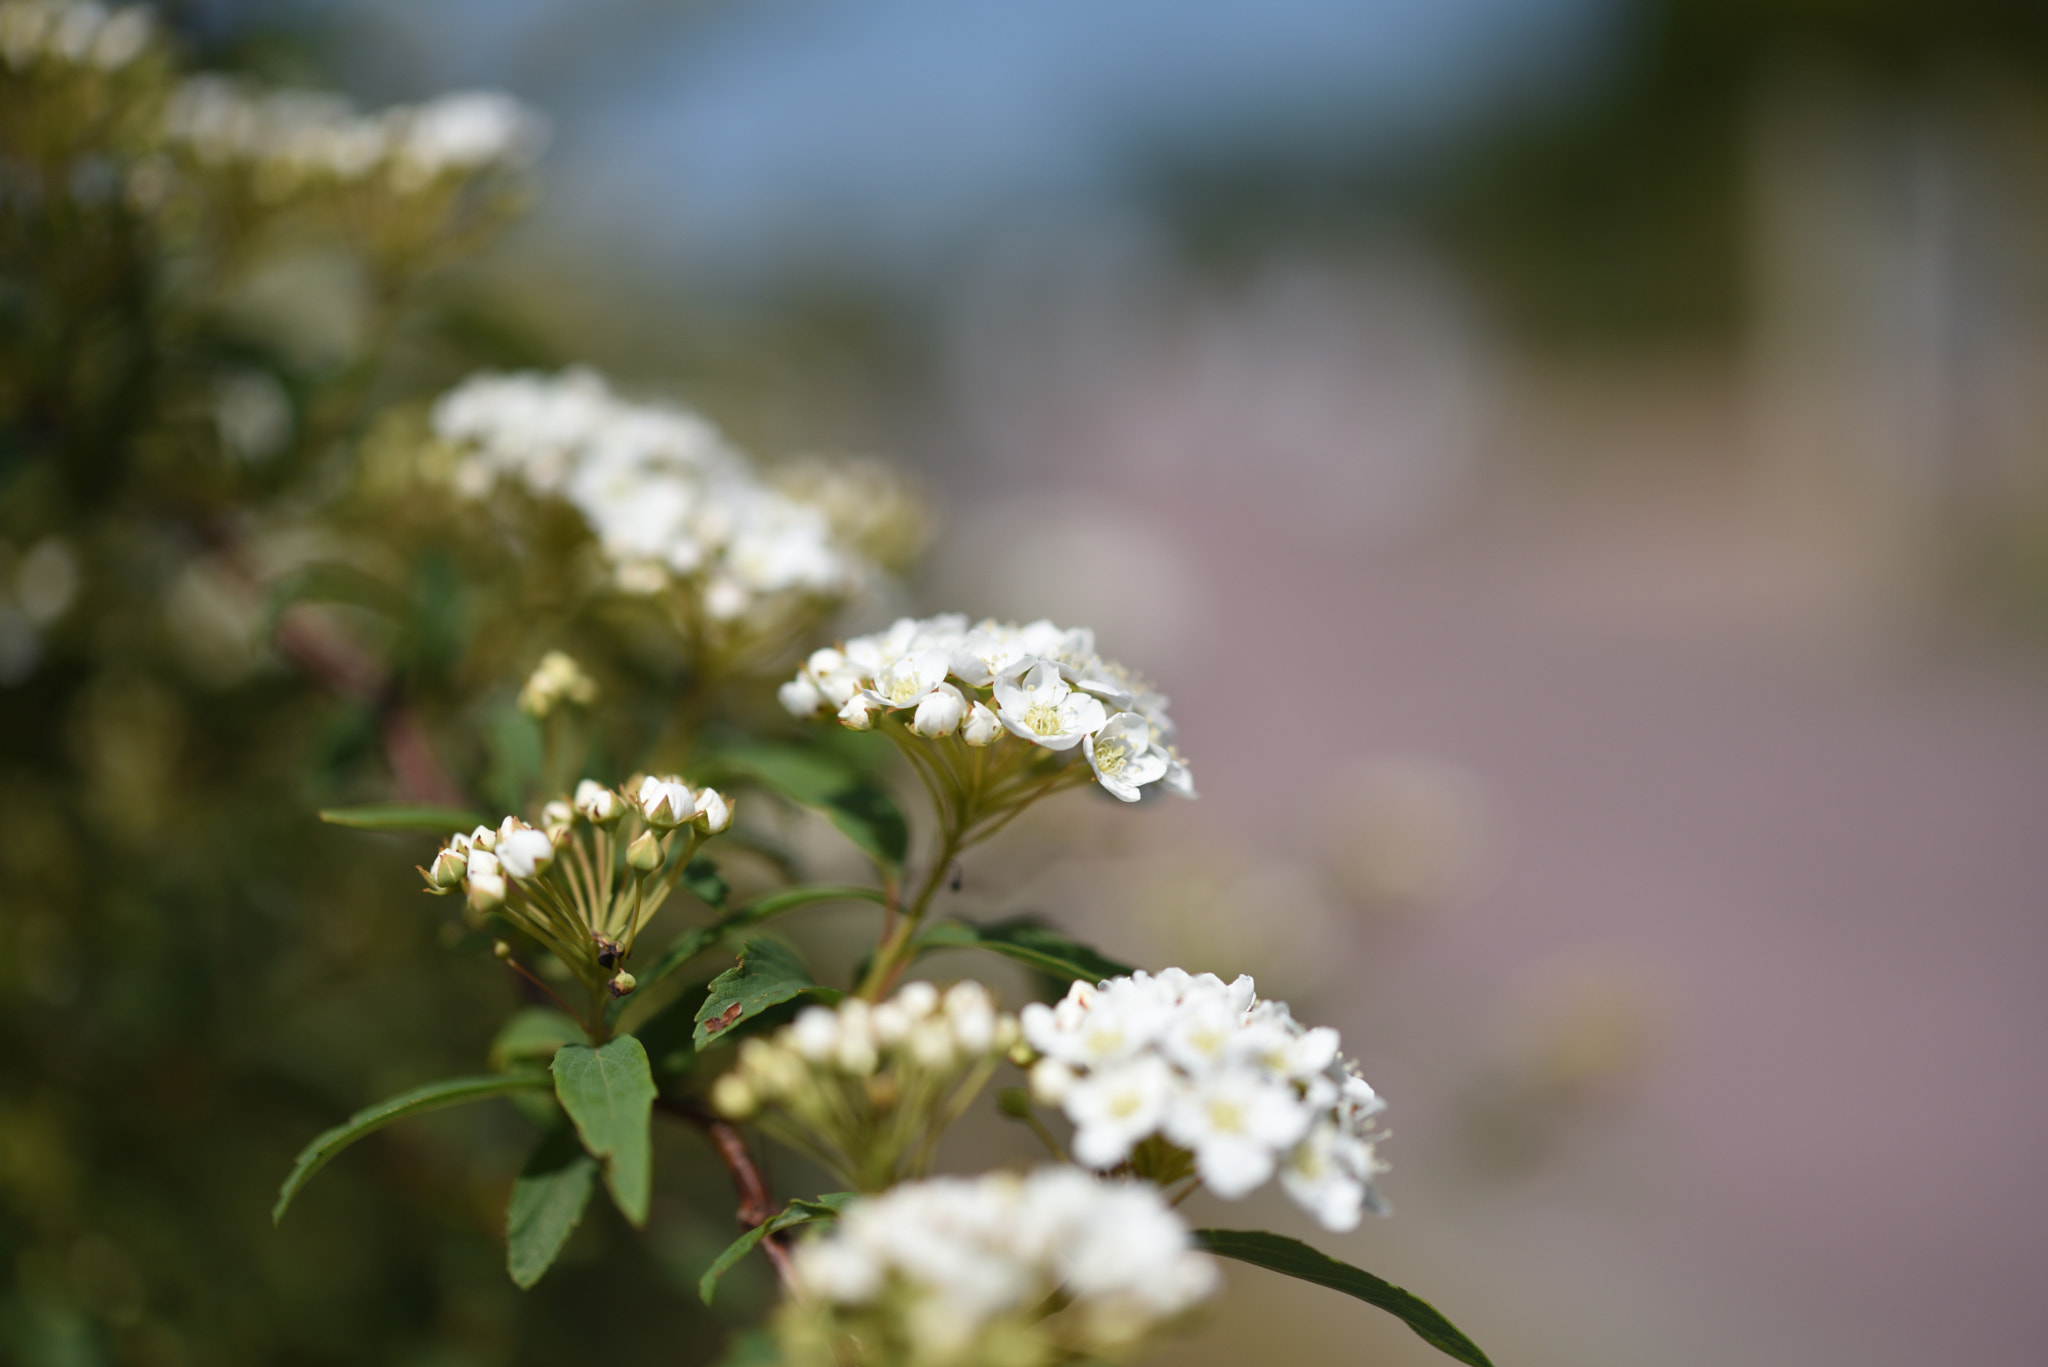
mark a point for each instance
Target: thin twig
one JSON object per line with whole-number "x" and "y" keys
{"x": 524, "y": 972}
{"x": 757, "y": 1204}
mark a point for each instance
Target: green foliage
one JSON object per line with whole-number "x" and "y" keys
{"x": 404, "y": 816}
{"x": 767, "y": 974}
{"x": 1293, "y": 1258}
{"x": 826, "y": 1207}
{"x": 548, "y": 1200}
{"x": 533, "y": 1036}
{"x": 705, "y": 883}
{"x": 811, "y": 776}
{"x": 1028, "y": 943}
{"x": 431, "y": 1097}
{"x": 609, "y": 1095}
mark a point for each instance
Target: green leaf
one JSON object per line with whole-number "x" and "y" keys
{"x": 532, "y": 1037}
{"x": 1048, "y": 951}
{"x": 1294, "y": 1258}
{"x": 752, "y": 1348}
{"x": 432, "y": 1097}
{"x": 691, "y": 943}
{"x": 609, "y": 1092}
{"x": 768, "y": 972}
{"x": 548, "y": 1199}
{"x": 853, "y": 801}
{"x": 404, "y": 816}
{"x": 702, "y": 878}
{"x": 826, "y": 1207}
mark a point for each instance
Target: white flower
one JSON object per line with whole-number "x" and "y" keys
{"x": 981, "y": 727}
{"x": 1041, "y": 708}
{"x": 939, "y": 712}
{"x": 855, "y": 716}
{"x": 1113, "y": 1108}
{"x": 665, "y": 803}
{"x": 905, "y": 681}
{"x": 1122, "y": 756}
{"x": 1328, "y": 1174}
{"x": 1236, "y": 1123}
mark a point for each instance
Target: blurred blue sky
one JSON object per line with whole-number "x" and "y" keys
{"x": 742, "y": 138}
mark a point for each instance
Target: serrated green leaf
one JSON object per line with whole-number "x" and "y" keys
{"x": 691, "y": 943}
{"x": 548, "y": 1199}
{"x": 703, "y": 879}
{"x": 404, "y": 816}
{"x": 609, "y": 1093}
{"x": 1294, "y": 1258}
{"x": 853, "y": 801}
{"x": 1027, "y": 942}
{"x": 532, "y": 1036}
{"x": 826, "y": 1207}
{"x": 432, "y": 1097}
{"x": 768, "y": 972}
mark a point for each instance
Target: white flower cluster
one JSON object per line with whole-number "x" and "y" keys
{"x": 64, "y": 33}
{"x": 294, "y": 137}
{"x": 1233, "y": 1080}
{"x": 668, "y": 499}
{"x": 954, "y": 1268}
{"x": 1040, "y": 683}
{"x": 867, "y": 1090}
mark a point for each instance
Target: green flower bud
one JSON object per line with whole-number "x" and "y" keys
{"x": 645, "y": 854}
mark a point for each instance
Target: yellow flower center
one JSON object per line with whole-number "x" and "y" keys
{"x": 1110, "y": 757}
{"x": 1043, "y": 718}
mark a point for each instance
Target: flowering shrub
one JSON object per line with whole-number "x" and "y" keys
{"x": 529, "y": 579}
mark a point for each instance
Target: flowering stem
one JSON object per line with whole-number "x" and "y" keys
{"x": 894, "y": 954}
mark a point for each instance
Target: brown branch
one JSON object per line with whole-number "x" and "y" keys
{"x": 757, "y": 1204}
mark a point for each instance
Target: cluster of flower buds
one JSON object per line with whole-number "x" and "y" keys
{"x": 72, "y": 33}
{"x": 674, "y": 507}
{"x": 953, "y": 1272}
{"x": 586, "y": 879}
{"x": 1229, "y": 1079}
{"x": 556, "y": 680}
{"x": 289, "y": 139}
{"x": 867, "y": 1090}
{"x": 1035, "y": 691}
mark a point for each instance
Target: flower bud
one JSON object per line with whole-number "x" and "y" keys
{"x": 1051, "y": 1080}
{"x": 502, "y": 949}
{"x": 800, "y": 697}
{"x": 815, "y": 1033}
{"x": 665, "y": 803}
{"x": 714, "y": 813}
{"x": 483, "y": 838}
{"x": 919, "y": 999}
{"x": 599, "y": 805}
{"x": 854, "y": 716}
{"x": 481, "y": 864}
{"x": 732, "y": 1098}
{"x": 486, "y": 891}
{"x": 556, "y": 818}
{"x": 645, "y": 854}
{"x": 981, "y": 726}
{"x": 445, "y": 874}
{"x": 558, "y": 679}
{"x": 622, "y": 984}
{"x": 939, "y": 713}
{"x": 526, "y": 853}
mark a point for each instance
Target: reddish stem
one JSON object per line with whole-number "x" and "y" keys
{"x": 757, "y": 1204}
